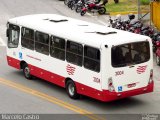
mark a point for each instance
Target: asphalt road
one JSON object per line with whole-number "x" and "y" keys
{"x": 38, "y": 96}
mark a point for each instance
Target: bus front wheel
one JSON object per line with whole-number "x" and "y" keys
{"x": 26, "y": 71}
{"x": 71, "y": 90}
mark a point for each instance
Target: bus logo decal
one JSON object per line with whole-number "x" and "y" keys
{"x": 33, "y": 57}
{"x": 20, "y": 55}
{"x": 131, "y": 85}
{"x": 119, "y": 88}
{"x": 141, "y": 69}
{"x": 70, "y": 69}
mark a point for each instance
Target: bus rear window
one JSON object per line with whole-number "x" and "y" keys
{"x": 130, "y": 54}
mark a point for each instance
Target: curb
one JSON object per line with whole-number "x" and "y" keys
{"x": 126, "y": 13}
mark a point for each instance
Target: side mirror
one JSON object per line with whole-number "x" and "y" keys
{"x": 7, "y": 33}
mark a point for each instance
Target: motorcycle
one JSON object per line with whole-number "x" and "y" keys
{"x": 135, "y": 27}
{"x": 155, "y": 38}
{"x": 147, "y": 30}
{"x": 158, "y": 50}
{"x": 80, "y": 4}
{"x": 74, "y": 4}
{"x": 121, "y": 24}
{"x": 93, "y": 7}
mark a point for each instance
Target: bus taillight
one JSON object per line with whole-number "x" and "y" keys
{"x": 151, "y": 76}
{"x": 110, "y": 85}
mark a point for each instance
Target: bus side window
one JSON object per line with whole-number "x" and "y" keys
{"x": 137, "y": 58}
{"x": 13, "y": 38}
{"x": 27, "y": 39}
{"x": 57, "y": 47}
{"x": 92, "y": 58}
{"x": 42, "y": 43}
{"x": 74, "y": 53}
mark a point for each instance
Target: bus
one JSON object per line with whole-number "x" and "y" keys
{"x": 84, "y": 58}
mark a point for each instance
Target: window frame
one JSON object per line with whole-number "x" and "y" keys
{"x": 33, "y": 40}
{"x": 62, "y": 50}
{"x": 48, "y": 45}
{"x": 131, "y": 52}
{"x": 76, "y": 54}
{"x": 10, "y": 28}
{"x": 98, "y": 61}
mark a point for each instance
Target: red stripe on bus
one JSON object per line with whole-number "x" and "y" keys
{"x": 106, "y": 95}
{"x": 46, "y": 75}
{"x": 103, "y": 95}
{"x": 13, "y": 62}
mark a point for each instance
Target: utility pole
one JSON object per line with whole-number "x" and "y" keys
{"x": 138, "y": 9}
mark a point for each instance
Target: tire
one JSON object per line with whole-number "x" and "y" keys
{"x": 69, "y": 4}
{"x": 66, "y": 2}
{"x": 73, "y": 6}
{"x": 78, "y": 9}
{"x": 102, "y": 10}
{"x": 82, "y": 13}
{"x": 71, "y": 90}
{"x": 158, "y": 60}
{"x": 26, "y": 72}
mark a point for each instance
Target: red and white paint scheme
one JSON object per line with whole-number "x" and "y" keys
{"x": 124, "y": 59}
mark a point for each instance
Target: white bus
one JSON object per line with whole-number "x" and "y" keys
{"x": 85, "y": 58}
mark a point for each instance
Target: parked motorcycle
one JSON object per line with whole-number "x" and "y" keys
{"x": 158, "y": 50}
{"x": 80, "y": 4}
{"x": 118, "y": 23}
{"x": 74, "y": 4}
{"x": 93, "y": 7}
{"x": 155, "y": 38}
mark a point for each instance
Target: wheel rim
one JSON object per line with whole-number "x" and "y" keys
{"x": 78, "y": 9}
{"x": 27, "y": 72}
{"x": 65, "y": 2}
{"x": 102, "y": 11}
{"x": 73, "y": 7}
{"x": 71, "y": 89}
{"x": 83, "y": 12}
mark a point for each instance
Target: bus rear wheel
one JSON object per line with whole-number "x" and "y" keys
{"x": 71, "y": 90}
{"x": 26, "y": 71}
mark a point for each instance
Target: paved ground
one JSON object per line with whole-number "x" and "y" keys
{"x": 14, "y": 100}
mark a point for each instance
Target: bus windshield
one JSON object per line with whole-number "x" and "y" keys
{"x": 130, "y": 54}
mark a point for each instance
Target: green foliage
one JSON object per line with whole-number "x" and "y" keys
{"x": 125, "y": 6}
{"x": 145, "y": 2}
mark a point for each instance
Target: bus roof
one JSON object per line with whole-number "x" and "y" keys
{"x": 77, "y": 30}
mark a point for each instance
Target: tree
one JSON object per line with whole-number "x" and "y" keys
{"x": 116, "y": 1}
